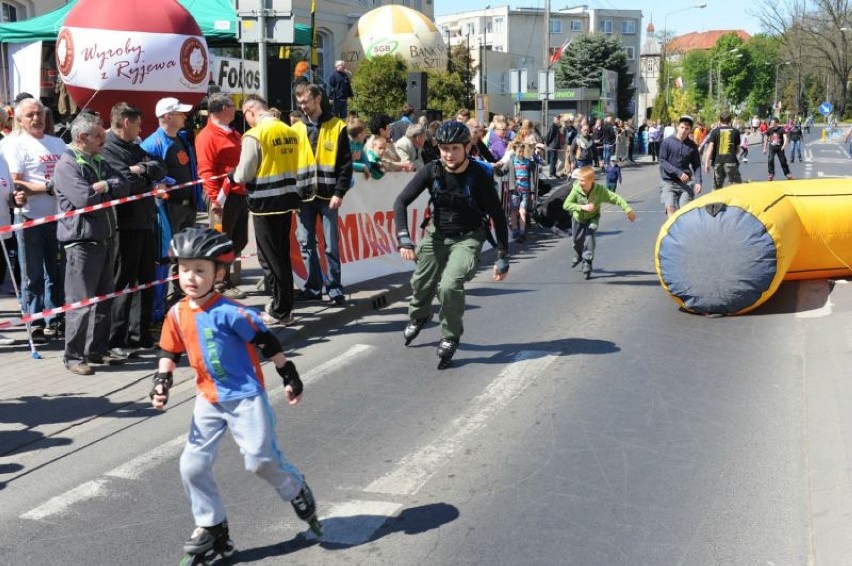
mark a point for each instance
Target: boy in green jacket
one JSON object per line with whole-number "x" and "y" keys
{"x": 584, "y": 203}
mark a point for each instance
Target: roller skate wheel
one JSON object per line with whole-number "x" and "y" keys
{"x": 194, "y": 560}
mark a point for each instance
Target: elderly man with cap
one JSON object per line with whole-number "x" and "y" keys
{"x": 340, "y": 90}
{"x": 680, "y": 167}
{"x": 171, "y": 145}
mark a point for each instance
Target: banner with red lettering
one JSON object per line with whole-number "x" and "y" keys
{"x": 367, "y": 230}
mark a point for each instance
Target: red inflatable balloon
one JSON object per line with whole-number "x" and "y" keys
{"x": 135, "y": 51}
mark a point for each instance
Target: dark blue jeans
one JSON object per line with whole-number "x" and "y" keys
{"x": 307, "y": 237}
{"x": 41, "y": 264}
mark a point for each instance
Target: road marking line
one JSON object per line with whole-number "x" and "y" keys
{"x": 417, "y": 468}
{"x": 134, "y": 468}
{"x": 354, "y": 522}
{"x": 61, "y": 503}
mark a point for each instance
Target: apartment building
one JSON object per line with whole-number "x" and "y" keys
{"x": 502, "y": 38}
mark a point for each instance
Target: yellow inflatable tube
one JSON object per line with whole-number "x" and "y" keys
{"x": 728, "y": 251}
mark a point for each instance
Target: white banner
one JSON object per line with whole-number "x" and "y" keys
{"x": 24, "y": 68}
{"x": 135, "y": 61}
{"x": 368, "y": 247}
{"x": 235, "y": 76}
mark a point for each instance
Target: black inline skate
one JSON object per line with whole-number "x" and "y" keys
{"x": 306, "y": 508}
{"x": 446, "y": 349}
{"x": 587, "y": 269}
{"x": 413, "y": 329}
{"x": 207, "y": 544}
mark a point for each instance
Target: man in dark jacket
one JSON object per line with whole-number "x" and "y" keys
{"x": 340, "y": 90}
{"x": 137, "y": 237}
{"x": 83, "y": 178}
{"x": 553, "y": 139}
{"x": 680, "y": 167}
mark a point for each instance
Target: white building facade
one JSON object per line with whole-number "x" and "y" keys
{"x": 502, "y": 38}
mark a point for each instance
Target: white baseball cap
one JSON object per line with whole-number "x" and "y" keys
{"x": 170, "y": 104}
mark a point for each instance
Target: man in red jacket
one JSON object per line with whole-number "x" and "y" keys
{"x": 217, "y": 146}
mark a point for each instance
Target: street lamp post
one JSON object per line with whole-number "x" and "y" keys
{"x": 663, "y": 53}
{"x": 722, "y": 57}
{"x": 775, "y": 95}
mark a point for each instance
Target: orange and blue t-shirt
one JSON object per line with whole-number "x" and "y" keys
{"x": 217, "y": 340}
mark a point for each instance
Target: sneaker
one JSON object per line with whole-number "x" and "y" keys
{"x": 234, "y": 293}
{"x": 6, "y": 341}
{"x": 104, "y": 359}
{"x": 339, "y": 300}
{"x": 270, "y": 320}
{"x": 38, "y": 335}
{"x": 55, "y": 329}
{"x": 308, "y": 296}
{"x": 81, "y": 369}
{"x": 121, "y": 353}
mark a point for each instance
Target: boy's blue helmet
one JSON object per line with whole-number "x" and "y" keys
{"x": 452, "y": 131}
{"x": 201, "y": 243}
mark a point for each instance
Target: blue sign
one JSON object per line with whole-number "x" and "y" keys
{"x": 825, "y": 108}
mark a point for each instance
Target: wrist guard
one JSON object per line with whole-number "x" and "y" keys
{"x": 404, "y": 240}
{"x": 290, "y": 376}
{"x": 164, "y": 379}
{"x": 502, "y": 263}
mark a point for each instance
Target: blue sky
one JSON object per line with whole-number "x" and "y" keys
{"x": 717, "y": 15}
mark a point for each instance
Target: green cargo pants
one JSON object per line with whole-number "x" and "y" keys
{"x": 444, "y": 265}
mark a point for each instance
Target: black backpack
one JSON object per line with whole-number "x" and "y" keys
{"x": 549, "y": 212}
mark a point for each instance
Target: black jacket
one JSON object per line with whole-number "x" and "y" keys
{"x": 74, "y": 176}
{"x": 120, "y": 154}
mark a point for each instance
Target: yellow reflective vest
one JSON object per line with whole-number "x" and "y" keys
{"x": 285, "y": 175}
{"x": 326, "y": 154}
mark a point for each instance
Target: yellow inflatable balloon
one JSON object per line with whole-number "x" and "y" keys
{"x": 728, "y": 251}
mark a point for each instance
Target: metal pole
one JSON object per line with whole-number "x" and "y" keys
{"x": 469, "y": 73}
{"x": 261, "y": 51}
{"x": 775, "y": 95}
{"x": 546, "y": 60}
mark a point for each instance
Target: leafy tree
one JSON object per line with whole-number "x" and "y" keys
{"x": 379, "y": 85}
{"x": 461, "y": 64}
{"x": 581, "y": 66}
{"x": 447, "y": 92}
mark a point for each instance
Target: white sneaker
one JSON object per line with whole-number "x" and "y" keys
{"x": 270, "y": 320}
{"x": 6, "y": 341}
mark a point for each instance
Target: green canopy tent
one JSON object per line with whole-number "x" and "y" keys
{"x": 216, "y": 18}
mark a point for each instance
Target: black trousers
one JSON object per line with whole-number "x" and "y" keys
{"x": 136, "y": 264}
{"x": 775, "y": 150}
{"x": 272, "y": 234}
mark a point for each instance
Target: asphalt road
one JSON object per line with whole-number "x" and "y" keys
{"x": 583, "y": 422}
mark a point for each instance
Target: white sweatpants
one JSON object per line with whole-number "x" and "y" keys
{"x": 252, "y": 424}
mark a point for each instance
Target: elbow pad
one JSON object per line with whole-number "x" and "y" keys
{"x": 170, "y": 355}
{"x": 267, "y": 343}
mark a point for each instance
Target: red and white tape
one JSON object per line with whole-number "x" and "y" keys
{"x": 88, "y": 302}
{"x": 108, "y": 204}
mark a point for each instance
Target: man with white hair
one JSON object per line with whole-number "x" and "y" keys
{"x": 340, "y": 90}
{"x": 83, "y": 178}
{"x": 408, "y": 147}
{"x": 32, "y": 155}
